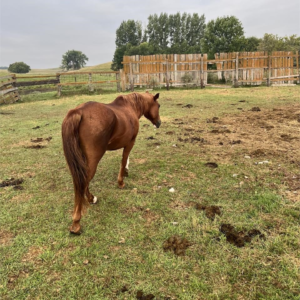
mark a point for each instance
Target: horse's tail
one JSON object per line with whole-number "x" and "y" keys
{"x": 74, "y": 155}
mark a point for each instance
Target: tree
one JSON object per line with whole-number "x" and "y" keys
{"x": 73, "y": 60}
{"x": 118, "y": 57}
{"x": 19, "y": 67}
{"x": 272, "y": 42}
{"x": 129, "y": 32}
{"x": 251, "y": 44}
{"x": 157, "y": 31}
{"x": 224, "y": 34}
{"x": 195, "y": 29}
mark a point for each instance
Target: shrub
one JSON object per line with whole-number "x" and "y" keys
{"x": 19, "y": 67}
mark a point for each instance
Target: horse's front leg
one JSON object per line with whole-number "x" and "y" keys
{"x": 124, "y": 165}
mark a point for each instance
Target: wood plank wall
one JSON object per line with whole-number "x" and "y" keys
{"x": 238, "y": 67}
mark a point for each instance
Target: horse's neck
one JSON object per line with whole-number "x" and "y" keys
{"x": 141, "y": 107}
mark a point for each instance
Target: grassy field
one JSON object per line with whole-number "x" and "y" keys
{"x": 253, "y": 177}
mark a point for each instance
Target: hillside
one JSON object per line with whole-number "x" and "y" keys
{"x": 98, "y": 68}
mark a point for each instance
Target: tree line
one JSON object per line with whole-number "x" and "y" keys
{"x": 188, "y": 33}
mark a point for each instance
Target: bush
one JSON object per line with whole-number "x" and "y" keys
{"x": 187, "y": 78}
{"x": 19, "y": 67}
{"x": 153, "y": 82}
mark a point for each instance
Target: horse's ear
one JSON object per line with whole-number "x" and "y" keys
{"x": 156, "y": 96}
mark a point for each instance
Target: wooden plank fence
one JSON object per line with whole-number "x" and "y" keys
{"x": 8, "y": 90}
{"x": 240, "y": 68}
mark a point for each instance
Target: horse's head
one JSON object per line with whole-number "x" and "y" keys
{"x": 153, "y": 112}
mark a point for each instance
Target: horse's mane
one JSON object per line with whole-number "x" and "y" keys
{"x": 136, "y": 100}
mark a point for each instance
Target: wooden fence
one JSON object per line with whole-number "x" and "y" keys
{"x": 239, "y": 68}
{"x": 26, "y": 83}
{"x": 90, "y": 79}
{"x": 8, "y": 90}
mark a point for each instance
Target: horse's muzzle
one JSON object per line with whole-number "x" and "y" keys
{"x": 158, "y": 123}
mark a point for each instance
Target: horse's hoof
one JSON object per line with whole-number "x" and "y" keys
{"x": 76, "y": 231}
{"x": 126, "y": 172}
{"x": 121, "y": 186}
{"x": 95, "y": 200}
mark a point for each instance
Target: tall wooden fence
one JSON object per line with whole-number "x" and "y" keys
{"x": 238, "y": 67}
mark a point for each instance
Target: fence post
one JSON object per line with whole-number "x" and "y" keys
{"x": 131, "y": 78}
{"x": 123, "y": 80}
{"x": 58, "y": 90}
{"x": 118, "y": 82}
{"x": 269, "y": 70}
{"x": 297, "y": 60}
{"x": 201, "y": 72}
{"x": 91, "y": 87}
{"x": 236, "y": 81}
{"x": 167, "y": 76}
{"x": 16, "y": 95}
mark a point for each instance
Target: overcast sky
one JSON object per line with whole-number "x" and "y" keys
{"x": 39, "y": 32}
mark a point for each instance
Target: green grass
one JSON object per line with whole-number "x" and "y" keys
{"x": 39, "y": 259}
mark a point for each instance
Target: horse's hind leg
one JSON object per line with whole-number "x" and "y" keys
{"x": 92, "y": 167}
{"x": 125, "y": 160}
{"x": 126, "y": 170}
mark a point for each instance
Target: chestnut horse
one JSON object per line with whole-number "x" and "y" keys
{"x": 91, "y": 129}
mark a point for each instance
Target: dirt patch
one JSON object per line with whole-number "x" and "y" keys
{"x": 35, "y": 147}
{"x": 11, "y": 182}
{"x": 140, "y": 296}
{"x": 239, "y": 238}
{"x": 220, "y": 130}
{"x": 182, "y": 205}
{"x": 274, "y": 129}
{"x": 213, "y": 120}
{"x": 38, "y": 140}
{"x": 287, "y": 137}
{"x": 36, "y": 127}
{"x": 140, "y": 161}
{"x": 157, "y": 144}
{"x": 33, "y": 254}
{"x": 170, "y": 132}
{"x": 255, "y": 108}
{"x": 192, "y": 139}
{"x": 176, "y": 244}
{"x": 6, "y": 238}
{"x": 187, "y": 106}
{"x": 212, "y": 165}
{"x": 149, "y": 216}
{"x": 6, "y": 113}
{"x": 18, "y": 188}
{"x": 235, "y": 142}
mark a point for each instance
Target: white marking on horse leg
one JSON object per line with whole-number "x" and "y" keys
{"x": 127, "y": 164}
{"x": 95, "y": 200}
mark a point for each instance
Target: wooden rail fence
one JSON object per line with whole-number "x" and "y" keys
{"x": 8, "y": 90}
{"x": 281, "y": 67}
